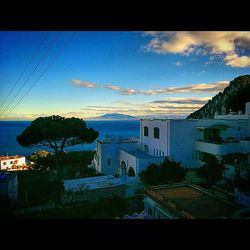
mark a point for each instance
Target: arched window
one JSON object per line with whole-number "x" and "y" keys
{"x": 131, "y": 172}
{"x": 157, "y": 133}
{"x": 145, "y": 131}
{"x": 123, "y": 168}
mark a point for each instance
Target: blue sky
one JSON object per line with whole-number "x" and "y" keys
{"x": 134, "y": 73}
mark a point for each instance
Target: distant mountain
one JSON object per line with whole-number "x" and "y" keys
{"x": 175, "y": 117}
{"x": 116, "y": 116}
{"x": 232, "y": 98}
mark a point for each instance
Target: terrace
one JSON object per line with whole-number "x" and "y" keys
{"x": 190, "y": 201}
{"x": 119, "y": 140}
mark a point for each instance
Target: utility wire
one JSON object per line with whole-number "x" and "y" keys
{"x": 41, "y": 60}
{"x": 25, "y": 68}
{"x": 54, "y": 59}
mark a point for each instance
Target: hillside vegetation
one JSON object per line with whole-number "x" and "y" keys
{"x": 232, "y": 98}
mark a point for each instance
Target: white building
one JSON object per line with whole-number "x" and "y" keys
{"x": 12, "y": 162}
{"x": 122, "y": 157}
{"x": 183, "y": 140}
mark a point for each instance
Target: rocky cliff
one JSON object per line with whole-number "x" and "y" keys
{"x": 233, "y": 98}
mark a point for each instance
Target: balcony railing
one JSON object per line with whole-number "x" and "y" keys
{"x": 218, "y": 148}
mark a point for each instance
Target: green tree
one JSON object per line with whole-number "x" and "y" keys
{"x": 168, "y": 171}
{"x": 56, "y": 133}
{"x": 211, "y": 171}
{"x": 42, "y": 160}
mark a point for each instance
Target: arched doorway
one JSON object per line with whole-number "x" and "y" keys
{"x": 131, "y": 172}
{"x": 123, "y": 168}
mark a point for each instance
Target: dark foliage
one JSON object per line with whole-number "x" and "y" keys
{"x": 42, "y": 160}
{"x": 211, "y": 171}
{"x": 75, "y": 164}
{"x": 56, "y": 133}
{"x": 6, "y": 210}
{"x": 234, "y": 158}
{"x": 36, "y": 188}
{"x": 242, "y": 184}
{"x": 167, "y": 171}
{"x": 104, "y": 208}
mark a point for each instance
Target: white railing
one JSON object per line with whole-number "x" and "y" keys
{"x": 217, "y": 149}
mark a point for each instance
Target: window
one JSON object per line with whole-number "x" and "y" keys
{"x": 157, "y": 133}
{"x": 146, "y": 148}
{"x": 150, "y": 211}
{"x": 11, "y": 162}
{"x": 109, "y": 161}
{"x": 160, "y": 153}
{"x": 145, "y": 131}
{"x": 156, "y": 152}
{"x": 4, "y": 163}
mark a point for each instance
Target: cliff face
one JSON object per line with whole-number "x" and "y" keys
{"x": 233, "y": 98}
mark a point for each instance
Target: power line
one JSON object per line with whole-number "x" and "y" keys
{"x": 41, "y": 60}
{"x": 25, "y": 68}
{"x": 54, "y": 59}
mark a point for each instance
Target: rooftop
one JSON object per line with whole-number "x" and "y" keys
{"x": 190, "y": 201}
{"x": 4, "y": 157}
{"x": 119, "y": 140}
{"x": 92, "y": 182}
{"x": 140, "y": 154}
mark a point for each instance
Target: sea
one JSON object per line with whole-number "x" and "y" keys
{"x": 9, "y": 130}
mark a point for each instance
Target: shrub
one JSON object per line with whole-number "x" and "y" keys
{"x": 167, "y": 171}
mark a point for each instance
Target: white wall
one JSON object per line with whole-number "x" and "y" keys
{"x": 138, "y": 164}
{"x": 130, "y": 160}
{"x": 154, "y": 144}
{"x": 106, "y": 150}
{"x": 7, "y": 164}
{"x": 183, "y": 135}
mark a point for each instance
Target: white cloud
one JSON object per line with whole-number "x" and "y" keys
{"x": 225, "y": 43}
{"x": 165, "y": 107}
{"x": 235, "y": 60}
{"x": 202, "y": 87}
{"x": 181, "y": 100}
{"x": 173, "y": 106}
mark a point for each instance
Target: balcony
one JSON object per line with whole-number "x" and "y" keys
{"x": 218, "y": 148}
{"x": 245, "y": 145}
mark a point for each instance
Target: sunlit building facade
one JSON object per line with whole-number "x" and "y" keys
{"x": 184, "y": 140}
